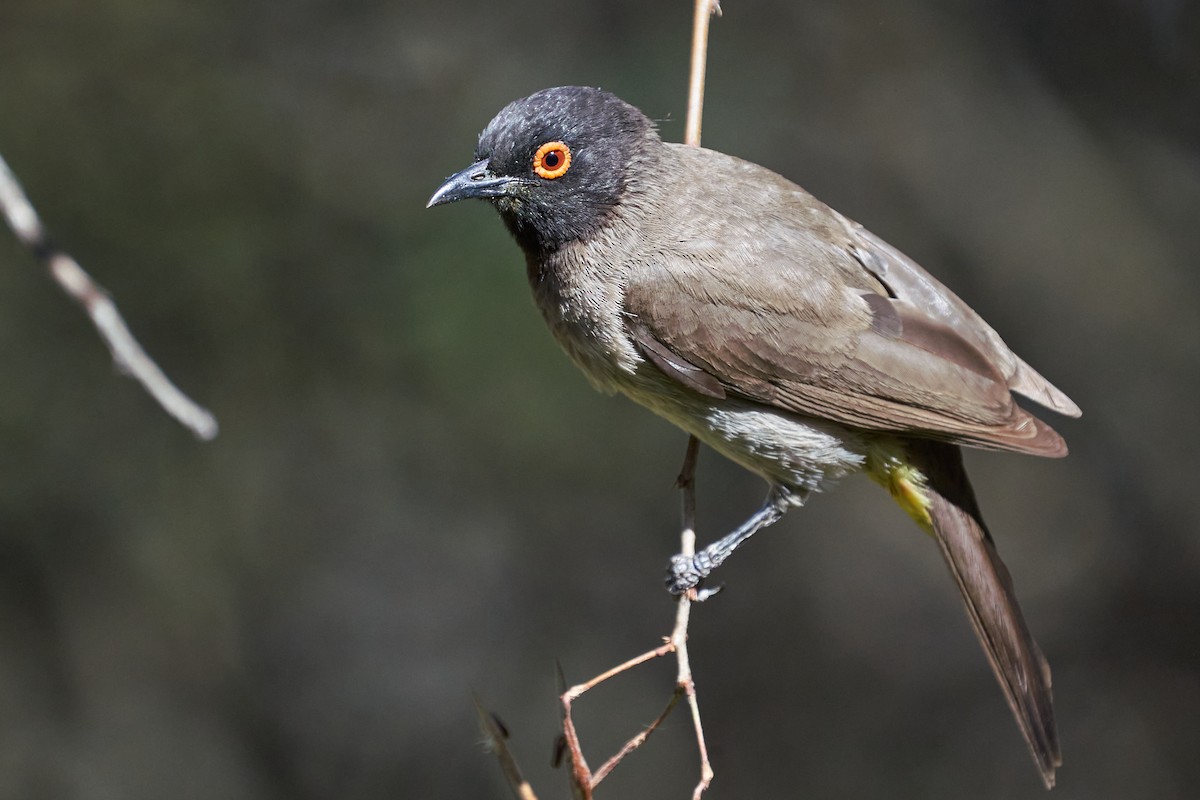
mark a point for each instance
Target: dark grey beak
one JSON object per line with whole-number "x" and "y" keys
{"x": 476, "y": 180}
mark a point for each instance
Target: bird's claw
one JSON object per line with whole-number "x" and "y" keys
{"x": 683, "y": 573}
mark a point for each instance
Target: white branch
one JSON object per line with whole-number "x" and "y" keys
{"x": 127, "y": 354}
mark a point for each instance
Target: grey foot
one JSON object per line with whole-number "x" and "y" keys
{"x": 685, "y": 572}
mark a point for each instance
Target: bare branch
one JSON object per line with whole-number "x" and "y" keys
{"x": 637, "y": 741}
{"x": 581, "y": 776}
{"x": 705, "y": 9}
{"x": 127, "y": 354}
{"x": 583, "y": 780}
{"x": 678, "y": 641}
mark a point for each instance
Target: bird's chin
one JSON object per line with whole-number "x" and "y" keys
{"x": 507, "y": 204}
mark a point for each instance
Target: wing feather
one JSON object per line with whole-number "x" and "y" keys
{"x": 818, "y": 317}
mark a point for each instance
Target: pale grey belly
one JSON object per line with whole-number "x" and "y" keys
{"x": 797, "y": 452}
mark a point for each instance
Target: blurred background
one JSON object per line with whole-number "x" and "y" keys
{"x": 415, "y": 496}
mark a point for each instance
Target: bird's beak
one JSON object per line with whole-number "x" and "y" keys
{"x": 476, "y": 180}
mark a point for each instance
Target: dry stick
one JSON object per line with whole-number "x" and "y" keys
{"x": 705, "y": 9}
{"x": 495, "y": 737}
{"x": 580, "y": 775}
{"x": 683, "y": 680}
{"x": 638, "y": 740}
{"x": 127, "y": 354}
{"x": 582, "y": 779}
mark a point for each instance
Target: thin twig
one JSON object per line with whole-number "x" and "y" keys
{"x": 638, "y": 740}
{"x": 495, "y": 737}
{"x": 127, "y": 354}
{"x": 679, "y": 636}
{"x": 705, "y": 9}
{"x": 581, "y": 776}
{"x": 576, "y": 691}
{"x": 583, "y": 780}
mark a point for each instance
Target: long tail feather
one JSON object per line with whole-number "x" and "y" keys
{"x": 987, "y": 589}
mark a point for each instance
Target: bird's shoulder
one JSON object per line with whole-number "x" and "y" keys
{"x": 726, "y": 217}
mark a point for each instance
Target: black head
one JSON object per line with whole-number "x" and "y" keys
{"x": 556, "y": 164}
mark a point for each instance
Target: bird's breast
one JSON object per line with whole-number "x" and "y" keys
{"x": 579, "y": 292}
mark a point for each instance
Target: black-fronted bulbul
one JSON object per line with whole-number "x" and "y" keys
{"x": 783, "y": 335}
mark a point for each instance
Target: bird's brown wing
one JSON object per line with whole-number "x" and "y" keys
{"x": 798, "y": 316}
{"x": 882, "y": 366}
{"x": 904, "y": 278}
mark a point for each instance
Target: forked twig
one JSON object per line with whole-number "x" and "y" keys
{"x": 583, "y": 780}
{"x": 127, "y": 354}
{"x": 638, "y": 740}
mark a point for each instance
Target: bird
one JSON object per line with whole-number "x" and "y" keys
{"x": 783, "y": 335}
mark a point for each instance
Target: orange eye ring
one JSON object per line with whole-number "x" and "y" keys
{"x": 552, "y": 160}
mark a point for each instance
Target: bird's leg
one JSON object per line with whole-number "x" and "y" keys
{"x": 684, "y": 572}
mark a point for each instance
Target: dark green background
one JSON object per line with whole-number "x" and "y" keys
{"x": 414, "y": 495}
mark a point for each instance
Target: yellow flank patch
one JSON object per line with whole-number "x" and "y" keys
{"x": 904, "y": 482}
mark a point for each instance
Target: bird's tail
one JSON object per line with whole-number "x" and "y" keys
{"x": 929, "y": 482}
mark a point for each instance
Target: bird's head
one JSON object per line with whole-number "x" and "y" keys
{"x": 556, "y": 164}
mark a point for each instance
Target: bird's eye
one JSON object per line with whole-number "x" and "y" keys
{"x": 552, "y": 160}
